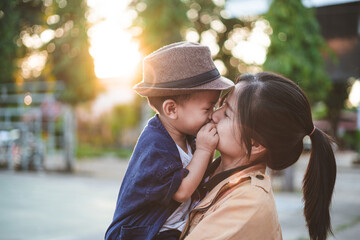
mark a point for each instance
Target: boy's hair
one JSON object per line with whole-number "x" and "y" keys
{"x": 156, "y": 102}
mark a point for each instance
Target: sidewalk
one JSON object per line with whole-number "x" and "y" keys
{"x": 51, "y": 206}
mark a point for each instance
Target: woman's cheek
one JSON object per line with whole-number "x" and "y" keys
{"x": 222, "y": 136}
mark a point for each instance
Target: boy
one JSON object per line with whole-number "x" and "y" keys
{"x": 182, "y": 85}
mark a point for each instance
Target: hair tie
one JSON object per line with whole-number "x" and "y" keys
{"x": 312, "y": 132}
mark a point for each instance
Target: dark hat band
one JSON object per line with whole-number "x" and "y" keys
{"x": 188, "y": 82}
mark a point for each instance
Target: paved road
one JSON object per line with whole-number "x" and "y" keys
{"x": 79, "y": 206}
{"x": 53, "y": 206}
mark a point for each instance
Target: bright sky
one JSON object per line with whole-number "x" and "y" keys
{"x": 115, "y": 53}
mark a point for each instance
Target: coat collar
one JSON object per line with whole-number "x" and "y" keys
{"x": 255, "y": 173}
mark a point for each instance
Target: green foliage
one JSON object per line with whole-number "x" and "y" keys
{"x": 68, "y": 53}
{"x": 296, "y": 47}
{"x": 207, "y": 12}
{"x": 9, "y": 18}
{"x": 217, "y": 154}
{"x": 124, "y": 116}
{"x": 70, "y": 60}
{"x": 161, "y": 22}
{"x": 15, "y": 15}
{"x": 93, "y": 151}
{"x": 319, "y": 111}
{"x": 335, "y": 103}
{"x": 117, "y": 128}
{"x": 351, "y": 140}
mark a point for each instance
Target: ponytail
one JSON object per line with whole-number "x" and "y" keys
{"x": 318, "y": 186}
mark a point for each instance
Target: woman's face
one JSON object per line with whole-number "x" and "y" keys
{"x": 226, "y": 119}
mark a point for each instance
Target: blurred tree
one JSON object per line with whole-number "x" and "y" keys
{"x": 159, "y": 23}
{"x": 214, "y": 27}
{"x": 335, "y": 102}
{"x": 123, "y": 119}
{"x": 9, "y": 18}
{"x": 67, "y": 51}
{"x": 124, "y": 116}
{"x": 111, "y": 129}
{"x": 15, "y": 16}
{"x": 69, "y": 58}
{"x": 296, "y": 47}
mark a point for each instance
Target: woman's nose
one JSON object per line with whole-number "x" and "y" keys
{"x": 215, "y": 116}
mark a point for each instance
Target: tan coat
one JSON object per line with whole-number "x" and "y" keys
{"x": 240, "y": 207}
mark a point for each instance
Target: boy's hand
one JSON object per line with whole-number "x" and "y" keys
{"x": 207, "y": 138}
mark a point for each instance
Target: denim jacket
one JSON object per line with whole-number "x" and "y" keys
{"x": 154, "y": 174}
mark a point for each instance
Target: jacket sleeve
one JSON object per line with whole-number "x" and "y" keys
{"x": 248, "y": 213}
{"x": 163, "y": 176}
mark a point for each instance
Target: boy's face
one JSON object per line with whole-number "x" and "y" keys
{"x": 196, "y": 111}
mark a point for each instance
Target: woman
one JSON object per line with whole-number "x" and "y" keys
{"x": 262, "y": 123}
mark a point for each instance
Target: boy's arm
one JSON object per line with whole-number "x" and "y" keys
{"x": 206, "y": 142}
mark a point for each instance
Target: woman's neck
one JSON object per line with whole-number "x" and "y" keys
{"x": 228, "y": 162}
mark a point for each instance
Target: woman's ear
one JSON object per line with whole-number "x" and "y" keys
{"x": 170, "y": 108}
{"x": 257, "y": 148}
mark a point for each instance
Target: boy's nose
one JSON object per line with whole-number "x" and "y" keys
{"x": 210, "y": 115}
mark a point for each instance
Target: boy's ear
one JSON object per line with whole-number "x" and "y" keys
{"x": 257, "y": 148}
{"x": 170, "y": 108}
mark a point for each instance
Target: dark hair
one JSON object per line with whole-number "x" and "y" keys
{"x": 274, "y": 111}
{"x": 156, "y": 102}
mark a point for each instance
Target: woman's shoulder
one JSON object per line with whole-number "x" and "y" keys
{"x": 256, "y": 187}
{"x": 253, "y": 196}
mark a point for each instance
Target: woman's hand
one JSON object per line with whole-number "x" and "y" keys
{"x": 207, "y": 138}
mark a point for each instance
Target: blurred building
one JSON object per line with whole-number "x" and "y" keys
{"x": 340, "y": 27}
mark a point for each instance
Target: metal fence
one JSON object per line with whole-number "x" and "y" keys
{"x": 33, "y": 124}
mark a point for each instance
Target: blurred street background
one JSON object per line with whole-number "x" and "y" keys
{"x": 80, "y": 206}
{"x": 69, "y": 118}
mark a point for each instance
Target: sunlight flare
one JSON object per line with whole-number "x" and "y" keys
{"x": 115, "y": 53}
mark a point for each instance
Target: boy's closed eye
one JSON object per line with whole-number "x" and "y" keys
{"x": 212, "y": 107}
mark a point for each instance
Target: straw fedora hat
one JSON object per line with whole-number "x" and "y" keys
{"x": 180, "y": 68}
